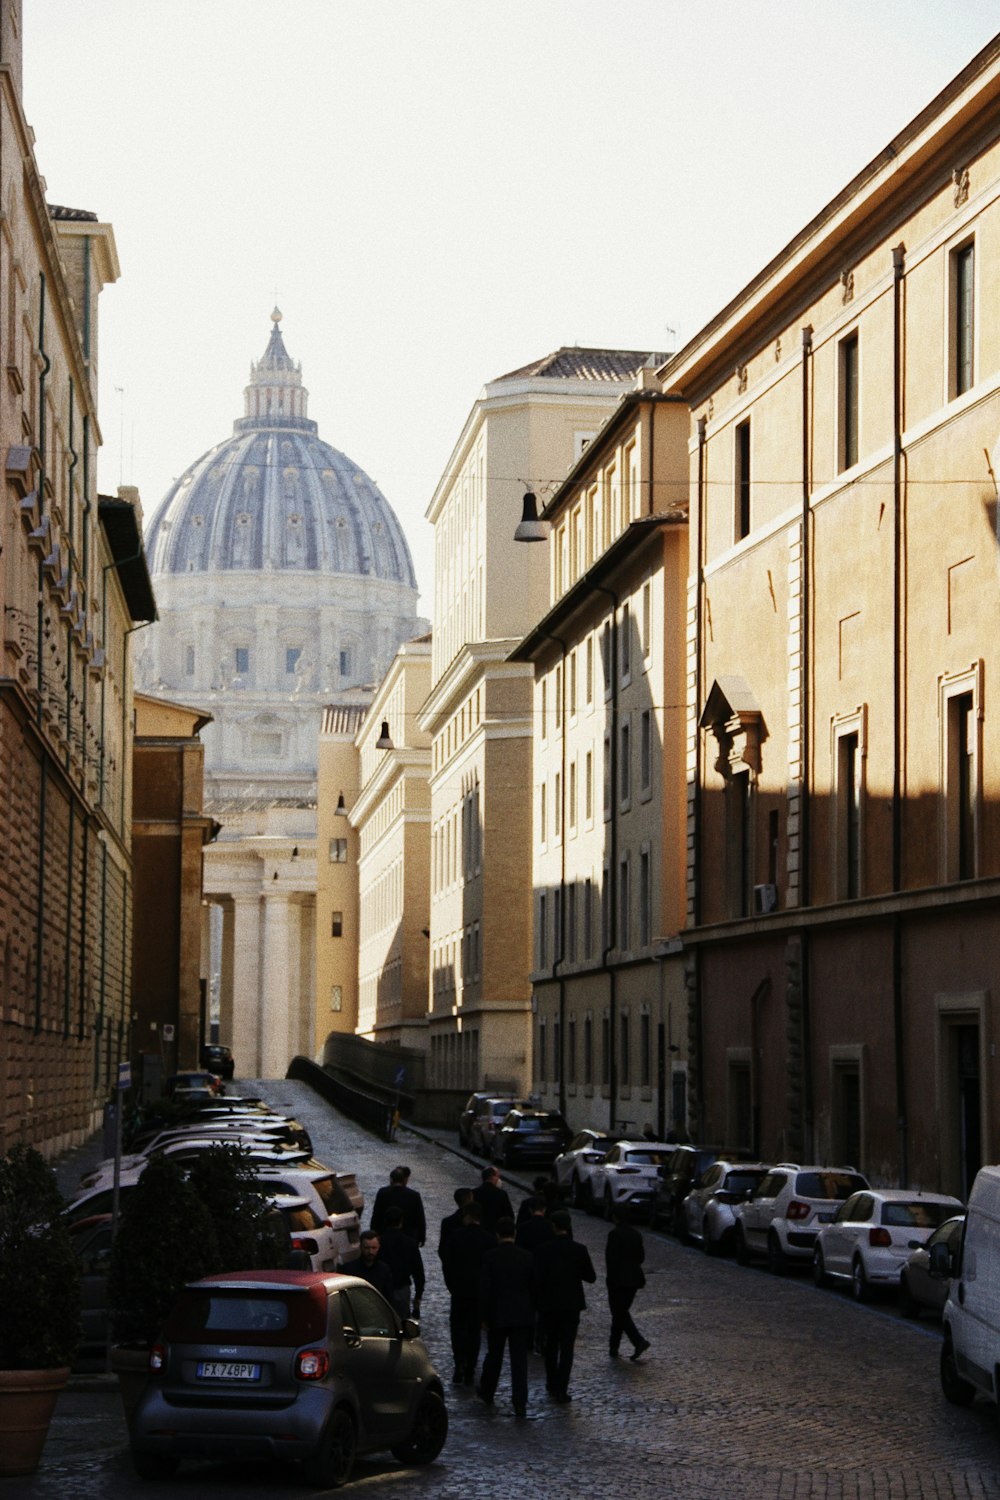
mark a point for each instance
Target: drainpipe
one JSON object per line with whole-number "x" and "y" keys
{"x": 72, "y": 552}
{"x": 805, "y": 696}
{"x": 67, "y": 970}
{"x": 695, "y": 1019}
{"x": 39, "y": 668}
{"x": 898, "y": 272}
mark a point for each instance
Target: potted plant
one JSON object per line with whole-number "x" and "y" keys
{"x": 40, "y": 1302}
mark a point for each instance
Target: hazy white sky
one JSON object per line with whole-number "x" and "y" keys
{"x": 437, "y": 191}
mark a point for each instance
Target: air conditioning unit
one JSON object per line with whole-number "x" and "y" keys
{"x": 765, "y": 898}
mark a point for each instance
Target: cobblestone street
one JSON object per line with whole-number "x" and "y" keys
{"x": 754, "y": 1386}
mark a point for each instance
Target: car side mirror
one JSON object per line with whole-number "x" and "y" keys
{"x": 411, "y": 1328}
{"x": 940, "y": 1258}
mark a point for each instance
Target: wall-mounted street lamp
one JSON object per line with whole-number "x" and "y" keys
{"x": 384, "y": 742}
{"x": 530, "y": 528}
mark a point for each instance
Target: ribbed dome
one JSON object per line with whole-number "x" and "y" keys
{"x": 275, "y": 497}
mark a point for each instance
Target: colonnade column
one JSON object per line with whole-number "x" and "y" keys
{"x": 246, "y": 986}
{"x": 274, "y": 987}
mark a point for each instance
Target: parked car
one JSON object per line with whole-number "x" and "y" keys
{"x": 91, "y": 1240}
{"x": 488, "y": 1119}
{"x": 680, "y": 1172}
{"x": 708, "y": 1211}
{"x": 328, "y": 1193}
{"x": 871, "y": 1235}
{"x": 784, "y": 1213}
{"x": 218, "y": 1059}
{"x": 919, "y": 1289}
{"x": 291, "y": 1365}
{"x": 474, "y": 1106}
{"x": 308, "y": 1232}
{"x": 574, "y": 1168}
{"x": 970, "y": 1353}
{"x": 628, "y": 1175}
{"x": 257, "y": 1153}
{"x": 530, "y": 1135}
{"x": 179, "y": 1085}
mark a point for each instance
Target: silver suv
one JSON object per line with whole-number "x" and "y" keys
{"x": 782, "y": 1216}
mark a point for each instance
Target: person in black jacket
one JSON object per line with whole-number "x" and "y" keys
{"x": 563, "y": 1266}
{"x": 534, "y": 1231}
{"x": 402, "y": 1256}
{"x": 624, "y": 1254}
{"x": 461, "y": 1260}
{"x": 507, "y": 1295}
{"x": 406, "y": 1199}
{"x": 370, "y": 1265}
{"x": 496, "y": 1204}
{"x": 453, "y": 1221}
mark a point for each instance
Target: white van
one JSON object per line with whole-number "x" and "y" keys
{"x": 970, "y": 1356}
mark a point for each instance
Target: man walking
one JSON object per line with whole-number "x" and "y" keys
{"x": 370, "y": 1265}
{"x": 462, "y": 1257}
{"x": 624, "y": 1254}
{"x": 404, "y": 1260}
{"x": 409, "y": 1202}
{"x": 563, "y": 1266}
{"x": 496, "y": 1204}
{"x": 507, "y": 1306}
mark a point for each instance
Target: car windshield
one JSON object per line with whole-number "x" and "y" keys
{"x": 837, "y": 1186}
{"x": 645, "y": 1158}
{"x": 270, "y": 1316}
{"x": 916, "y": 1215}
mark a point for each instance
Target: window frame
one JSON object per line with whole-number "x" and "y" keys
{"x": 848, "y": 400}
{"x": 960, "y": 355}
{"x": 742, "y": 480}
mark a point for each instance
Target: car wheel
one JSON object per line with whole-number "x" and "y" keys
{"x": 820, "y": 1278}
{"x": 860, "y": 1289}
{"x": 775, "y": 1255}
{"x": 331, "y": 1464}
{"x": 908, "y": 1304}
{"x": 153, "y": 1465}
{"x": 742, "y": 1248}
{"x": 428, "y": 1433}
{"x": 956, "y": 1390}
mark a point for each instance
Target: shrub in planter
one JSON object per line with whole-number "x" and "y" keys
{"x": 39, "y": 1275}
{"x": 227, "y": 1185}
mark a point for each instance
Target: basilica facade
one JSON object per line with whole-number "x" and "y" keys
{"x": 284, "y": 584}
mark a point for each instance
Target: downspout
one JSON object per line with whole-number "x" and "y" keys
{"x": 39, "y": 672}
{"x": 72, "y": 552}
{"x": 806, "y": 739}
{"x": 898, "y": 271}
{"x": 84, "y": 886}
{"x": 559, "y": 957}
{"x": 696, "y": 1050}
{"x": 68, "y": 968}
{"x": 127, "y": 759}
{"x": 612, "y": 868}
{"x": 103, "y": 840}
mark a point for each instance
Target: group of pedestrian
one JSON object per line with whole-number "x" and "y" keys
{"x": 519, "y": 1280}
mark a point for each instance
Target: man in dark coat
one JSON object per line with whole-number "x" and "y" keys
{"x": 496, "y": 1204}
{"x": 461, "y": 1260}
{"x": 507, "y": 1282}
{"x": 563, "y": 1266}
{"x": 624, "y": 1254}
{"x": 402, "y": 1255}
{"x": 534, "y": 1231}
{"x": 406, "y": 1199}
{"x": 452, "y": 1222}
{"x": 370, "y": 1265}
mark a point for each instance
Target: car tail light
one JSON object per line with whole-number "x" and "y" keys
{"x": 797, "y": 1210}
{"x": 880, "y": 1238}
{"x": 312, "y": 1364}
{"x": 299, "y": 1242}
{"x": 157, "y": 1357}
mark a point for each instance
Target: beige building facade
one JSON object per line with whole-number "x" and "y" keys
{"x": 337, "y": 849}
{"x": 74, "y": 585}
{"x": 608, "y": 820}
{"x": 843, "y": 793}
{"x": 392, "y": 817}
{"x": 525, "y": 430}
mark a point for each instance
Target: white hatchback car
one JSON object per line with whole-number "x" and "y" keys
{"x": 872, "y": 1235}
{"x": 708, "y": 1213}
{"x": 785, "y": 1211}
{"x": 308, "y": 1232}
{"x": 629, "y": 1175}
{"x": 327, "y": 1193}
{"x": 574, "y": 1169}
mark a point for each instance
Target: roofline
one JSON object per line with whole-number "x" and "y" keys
{"x": 621, "y": 551}
{"x": 616, "y": 420}
{"x": 188, "y": 708}
{"x": 128, "y": 556}
{"x": 911, "y": 150}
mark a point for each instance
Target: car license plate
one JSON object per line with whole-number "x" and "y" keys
{"x": 226, "y": 1369}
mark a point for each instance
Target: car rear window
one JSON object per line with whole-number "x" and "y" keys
{"x": 335, "y": 1200}
{"x": 837, "y": 1186}
{"x": 646, "y": 1158}
{"x": 916, "y": 1215}
{"x": 741, "y": 1182}
{"x": 301, "y": 1218}
{"x": 267, "y": 1317}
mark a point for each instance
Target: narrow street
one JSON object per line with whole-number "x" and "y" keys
{"x": 754, "y": 1386}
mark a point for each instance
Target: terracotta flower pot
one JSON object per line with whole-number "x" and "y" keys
{"x": 27, "y": 1401}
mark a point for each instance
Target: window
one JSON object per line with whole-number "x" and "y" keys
{"x": 738, "y": 843}
{"x": 557, "y": 926}
{"x": 624, "y": 903}
{"x": 242, "y": 660}
{"x": 571, "y": 1051}
{"x": 645, "y": 899}
{"x": 625, "y": 629}
{"x": 606, "y": 909}
{"x": 571, "y": 689}
{"x": 557, "y": 805}
{"x": 588, "y": 786}
{"x": 292, "y": 654}
{"x": 849, "y": 816}
{"x": 963, "y": 312}
{"x": 625, "y": 764}
{"x": 337, "y": 924}
{"x": 571, "y": 901}
{"x": 848, "y": 398}
{"x": 605, "y": 1052}
{"x": 545, "y": 710}
{"x": 336, "y": 997}
{"x": 961, "y": 786}
{"x": 542, "y": 819}
{"x": 645, "y": 1050}
{"x": 571, "y": 814}
{"x": 606, "y": 657}
{"x": 558, "y": 696}
{"x": 189, "y": 661}
{"x": 607, "y": 773}
{"x": 741, "y": 482}
{"x": 645, "y": 749}
{"x": 543, "y": 936}
{"x": 588, "y": 919}
{"x": 543, "y": 1071}
{"x": 345, "y": 663}
{"x": 588, "y": 672}
{"x": 647, "y": 618}
{"x": 588, "y": 1050}
{"x": 338, "y": 851}
{"x": 624, "y": 1057}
